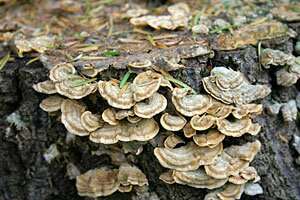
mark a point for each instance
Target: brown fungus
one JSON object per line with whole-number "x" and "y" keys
{"x": 111, "y": 92}
{"x": 197, "y": 179}
{"x": 172, "y": 141}
{"x": 188, "y": 157}
{"x": 67, "y": 89}
{"x": 201, "y": 123}
{"x": 225, "y": 85}
{"x": 46, "y": 87}
{"x": 211, "y": 139}
{"x": 109, "y": 116}
{"x": 51, "y": 104}
{"x": 233, "y": 160}
{"x": 145, "y": 85}
{"x": 237, "y": 128}
{"x": 131, "y": 175}
{"x": 190, "y": 105}
{"x": 98, "y": 182}
{"x": 71, "y": 117}
{"x": 172, "y": 122}
{"x": 154, "y": 105}
{"x": 219, "y": 109}
{"x": 61, "y": 72}
{"x": 90, "y": 121}
{"x": 189, "y": 131}
{"x": 248, "y": 109}
{"x": 125, "y": 131}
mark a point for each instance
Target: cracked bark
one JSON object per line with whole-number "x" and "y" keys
{"x": 24, "y": 174}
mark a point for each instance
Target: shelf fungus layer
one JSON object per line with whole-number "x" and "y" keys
{"x": 188, "y": 157}
{"x": 114, "y": 96}
{"x": 172, "y": 122}
{"x": 98, "y": 182}
{"x": 190, "y": 104}
{"x": 154, "y": 105}
{"x": 143, "y": 130}
{"x": 61, "y": 72}
{"x": 197, "y": 179}
{"x": 67, "y": 89}
{"x": 238, "y": 128}
{"x": 131, "y": 175}
{"x": 52, "y": 103}
{"x": 145, "y": 85}
{"x": 233, "y": 160}
{"x": 229, "y": 87}
{"x": 46, "y": 87}
{"x": 71, "y": 117}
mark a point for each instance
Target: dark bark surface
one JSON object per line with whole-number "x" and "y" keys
{"x": 24, "y": 173}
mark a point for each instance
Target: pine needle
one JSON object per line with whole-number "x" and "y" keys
{"x": 4, "y": 60}
{"x": 125, "y": 79}
{"x": 181, "y": 84}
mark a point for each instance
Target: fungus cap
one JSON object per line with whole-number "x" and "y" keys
{"x": 172, "y": 141}
{"x": 189, "y": 131}
{"x": 111, "y": 92}
{"x": 90, "y": 121}
{"x": 51, "y": 104}
{"x": 145, "y": 85}
{"x": 237, "y": 128}
{"x": 98, "y": 182}
{"x": 188, "y": 157}
{"x": 201, "y": 123}
{"x": 65, "y": 88}
{"x": 172, "y": 122}
{"x": 61, "y": 72}
{"x": 154, "y": 105}
{"x": 212, "y": 138}
{"x": 125, "y": 131}
{"x": 131, "y": 175}
{"x": 233, "y": 160}
{"x": 109, "y": 116}
{"x": 190, "y": 105}
{"x": 46, "y": 87}
{"x": 198, "y": 179}
{"x": 71, "y": 117}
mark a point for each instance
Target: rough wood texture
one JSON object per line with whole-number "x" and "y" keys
{"x": 24, "y": 174}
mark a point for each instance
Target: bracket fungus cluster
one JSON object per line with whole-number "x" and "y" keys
{"x": 137, "y": 111}
{"x": 178, "y": 18}
{"x": 290, "y": 71}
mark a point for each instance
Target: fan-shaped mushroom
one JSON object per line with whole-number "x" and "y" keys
{"x": 61, "y": 72}
{"x": 203, "y": 122}
{"x": 125, "y": 131}
{"x": 188, "y": 157}
{"x": 71, "y": 117}
{"x": 171, "y": 122}
{"x": 98, "y": 182}
{"x": 145, "y": 85}
{"x": 154, "y": 105}
{"x": 233, "y": 160}
{"x": 111, "y": 92}
{"x": 65, "y": 88}
{"x": 109, "y": 116}
{"x": 198, "y": 179}
{"x": 91, "y": 121}
{"x": 238, "y": 127}
{"x": 227, "y": 86}
{"x": 190, "y": 105}
{"x": 46, "y": 87}
{"x": 51, "y": 104}
{"x": 131, "y": 175}
{"x": 172, "y": 141}
{"x": 211, "y": 139}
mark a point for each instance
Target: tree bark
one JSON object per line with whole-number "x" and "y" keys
{"x": 24, "y": 173}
